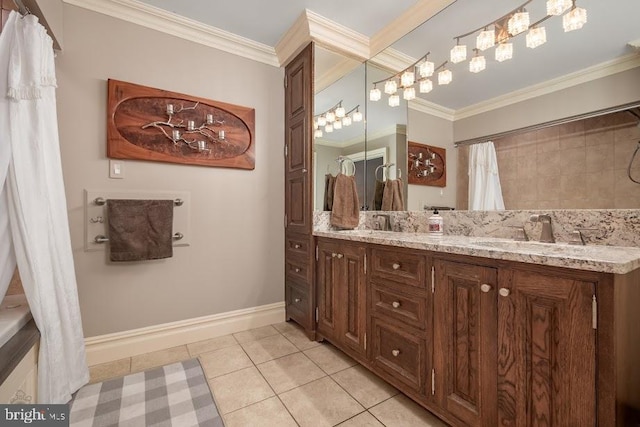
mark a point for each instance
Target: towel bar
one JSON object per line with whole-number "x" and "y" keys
{"x": 104, "y": 239}
{"x": 101, "y": 201}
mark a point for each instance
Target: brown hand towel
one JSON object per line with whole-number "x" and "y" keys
{"x": 387, "y": 196}
{"x": 377, "y": 195}
{"x": 345, "y": 212}
{"x": 329, "y": 184}
{"x": 140, "y": 229}
{"x": 398, "y": 195}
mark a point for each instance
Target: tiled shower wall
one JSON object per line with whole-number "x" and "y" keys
{"x": 577, "y": 165}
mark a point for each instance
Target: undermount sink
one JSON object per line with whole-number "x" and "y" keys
{"x": 533, "y": 247}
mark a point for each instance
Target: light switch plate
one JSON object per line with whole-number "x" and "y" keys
{"x": 116, "y": 169}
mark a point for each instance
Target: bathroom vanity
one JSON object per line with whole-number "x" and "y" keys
{"x": 485, "y": 331}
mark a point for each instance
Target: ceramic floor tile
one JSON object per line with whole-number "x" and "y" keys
{"x": 284, "y": 327}
{"x": 289, "y": 372}
{"x": 399, "y": 411}
{"x": 320, "y": 403}
{"x": 224, "y": 361}
{"x": 268, "y": 348}
{"x": 365, "y": 419}
{"x": 300, "y": 339}
{"x": 365, "y": 387}
{"x": 159, "y": 358}
{"x": 212, "y": 344}
{"x": 255, "y": 334}
{"x": 105, "y": 371}
{"x": 239, "y": 389}
{"x": 268, "y": 413}
{"x": 329, "y": 358}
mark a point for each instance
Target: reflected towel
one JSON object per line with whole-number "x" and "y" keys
{"x": 140, "y": 229}
{"x": 393, "y": 195}
{"x": 345, "y": 212}
{"x": 377, "y": 195}
{"x": 329, "y": 185}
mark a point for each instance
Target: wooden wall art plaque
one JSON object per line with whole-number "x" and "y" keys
{"x": 144, "y": 123}
{"x": 427, "y": 165}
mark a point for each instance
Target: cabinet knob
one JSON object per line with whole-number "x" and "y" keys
{"x": 296, "y": 246}
{"x": 395, "y": 353}
{"x": 485, "y": 288}
{"x": 304, "y": 170}
{"x": 333, "y": 255}
{"x": 297, "y": 300}
{"x": 340, "y": 256}
{"x": 504, "y": 292}
{"x": 297, "y": 270}
{"x": 396, "y": 265}
{"x": 395, "y": 304}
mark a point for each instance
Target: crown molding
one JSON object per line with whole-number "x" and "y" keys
{"x": 598, "y": 71}
{"x": 292, "y": 42}
{"x": 634, "y": 44}
{"x": 337, "y": 37}
{"x": 158, "y": 19}
{"x": 433, "y": 109}
{"x": 412, "y": 18}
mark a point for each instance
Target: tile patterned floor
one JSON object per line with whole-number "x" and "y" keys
{"x": 275, "y": 376}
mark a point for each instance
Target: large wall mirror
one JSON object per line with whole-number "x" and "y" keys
{"x": 574, "y": 73}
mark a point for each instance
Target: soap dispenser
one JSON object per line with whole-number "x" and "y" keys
{"x": 436, "y": 224}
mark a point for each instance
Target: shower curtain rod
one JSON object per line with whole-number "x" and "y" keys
{"x": 24, "y": 10}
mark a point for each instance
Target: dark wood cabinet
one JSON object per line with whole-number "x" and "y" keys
{"x": 341, "y": 295}
{"x": 299, "y": 256}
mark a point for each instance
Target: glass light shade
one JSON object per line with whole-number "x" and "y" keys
{"x": 357, "y": 116}
{"x": 394, "y": 101}
{"x": 426, "y": 86}
{"x": 575, "y": 19}
{"x": 477, "y": 64}
{"x": 330, "y": 116}
{"x": 409, "y": 93}
{"x": 317, "y": 133}
{"x": 340, "y": 111}
{"x": 557, "y": 7}
{"x": 346, "y": 121}
{"x": 407, "y": 79}
{"x": 425, "y": 69}
{"x": 518, "y": 23}
{"x": 536, "y": 37}
{"x": 337, "y": 124}
{"x": 445, "y": 77}
{"x": 458, "y": 53}
{"x": 322, "y": 120}
{"x": 375, "y": 94}
{"x": 504, "y": 51}
{"x": 328, "y": 128}
{"x": 390, "y": 87}
{"x": 315, "y": 125}
{"x": 486, "y": 39}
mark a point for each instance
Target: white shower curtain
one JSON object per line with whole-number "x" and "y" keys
{"x": 35, "y": 199}
{"x": 485, "y": 192}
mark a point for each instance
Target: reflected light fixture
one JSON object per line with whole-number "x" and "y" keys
{"x": 409, "y": 93}
{"x": 426, "y": 86}
{"x": 574, "y": 19}
{"x": 445, "y": 77}
{"x": 536, "y": 36}
{"x": 477, "y": 63}
{"x": 317, "y": 133}
{"x": 357, "y": 116}
{"x": 340, "y": 111}
{"x": 322, "y": 120}
{"x": 458, "y": 53}
{"x": 504, "y": 51}
{"x": 408, "y": 78}
{"x": 330, "y": 116}
{"x": 390, "y": 87}
{"x": 375, "y": 94}
{"x": 394, "y": 101}
{"x": 425, "y": 69}
{"x": 346, "y": 121}
{"x": 518, "y": 23}
{"x": 328, "y": 128}
{"x": 486, "y": 39}
{"x": 315, "y": 125}
{"x": 557, "y": 7}
{"x": 337, "y": 125}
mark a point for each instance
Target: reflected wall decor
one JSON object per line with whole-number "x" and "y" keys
{"x": 144, "y": 123}
{"x": 426, "y": 165}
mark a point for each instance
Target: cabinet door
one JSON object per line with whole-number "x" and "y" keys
{"x": 352, "y": 297}
{"x": 326, "y": 283}
{"x": 464, "y": 356}
{"x": 546, "y": 347}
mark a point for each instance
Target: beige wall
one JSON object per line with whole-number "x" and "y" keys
{"x": 236, "y": 255}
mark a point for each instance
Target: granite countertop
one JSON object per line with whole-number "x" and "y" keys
{"x": 606, "y": 259}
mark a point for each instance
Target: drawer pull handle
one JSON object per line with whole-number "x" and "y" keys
{"x": 297, "y": 270}
{"x": 395, "y": 304}
{"x": 504, "y": 292}
{"x": 333, "y": 255}
{"x": 340, "y": 256}
{"x": 296, "y": 246}
{"x": 485, "y": 288}
{"x": 396, "y": 266}
{"x": 395, "y": 353}
{"x": 297, "y": 300}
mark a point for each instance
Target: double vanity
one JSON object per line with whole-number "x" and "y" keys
{"x": 485, "y": 331}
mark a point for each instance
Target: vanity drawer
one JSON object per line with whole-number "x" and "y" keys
{"x": 299, "y": 306}
{"x": 398, "y": 354}
{"x": 298, "y": 268}
{"x": 298, "y": 246}
{"x": 400, "y": 266}
{"x": 392, "y": 302}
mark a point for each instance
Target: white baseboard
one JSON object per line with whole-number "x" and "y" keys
{"x": 119, "y": 345}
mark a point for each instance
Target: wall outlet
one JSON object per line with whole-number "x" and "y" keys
{"x": 116, "y": 169}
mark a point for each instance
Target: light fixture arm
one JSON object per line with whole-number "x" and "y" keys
{"x": 494, "y": 22}
{"x": 399, "y": 73}
{"x": 330, "y": 109}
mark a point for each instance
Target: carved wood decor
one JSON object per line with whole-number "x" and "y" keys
{"x": 198, "y": 132}
{"x": 418, "y": 154}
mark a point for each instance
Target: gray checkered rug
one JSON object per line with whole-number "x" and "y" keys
{"x": 175, "y": 395}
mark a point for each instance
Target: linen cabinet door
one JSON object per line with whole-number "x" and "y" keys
{"x": 327, "y": 278}
{"x": 546, "y": 347}
{"x": 352, "y": 298}
{"x": 464, "y": 358}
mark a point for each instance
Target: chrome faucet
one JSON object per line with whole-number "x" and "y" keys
{"x": 522, "y": 233}
{"x": 577, "y": 238}
{"x": 386, "y": 224}
{"x": 547, "y": 234}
